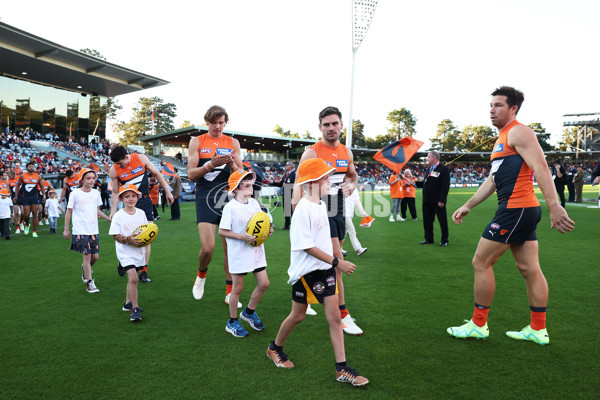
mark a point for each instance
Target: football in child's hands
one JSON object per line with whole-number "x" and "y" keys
{"x": 146, "y": 233}
{"x": 259, "y": 226}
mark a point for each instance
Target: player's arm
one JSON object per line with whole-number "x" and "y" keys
{"x": 351, "y": 179}
{"x": 63, "y": 193}
{"x": 343, "y": 265}
{"x": 114, "y": 187}
{"x": 194, "y": 171}
{"x": 297, "y": 194}
{"x": 150, "y": 167}
{"x": 236, "y": 162}
{"x": 524, "y": 141}
{"x": 485, "y": 190}
{"x": 41, "y": 187}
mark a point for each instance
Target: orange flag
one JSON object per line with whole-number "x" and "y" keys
{"x": 168, "y": 169}
{"x": 395, "y": 155}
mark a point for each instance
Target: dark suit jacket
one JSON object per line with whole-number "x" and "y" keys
{"x": 437, "y": 185}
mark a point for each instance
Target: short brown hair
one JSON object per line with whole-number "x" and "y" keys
{"x": 214, "y": 113}
{"x": 327, "y": 111}
{"x": 514, "y": 97}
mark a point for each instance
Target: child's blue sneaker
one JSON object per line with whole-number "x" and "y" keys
{"x": 127, "y": 306}
{"x": 136, "y": 314}
{"x": 252, "y": 319}
{"x": 236, "y": 329}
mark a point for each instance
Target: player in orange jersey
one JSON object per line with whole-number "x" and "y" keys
{"x": 516, "y": 157}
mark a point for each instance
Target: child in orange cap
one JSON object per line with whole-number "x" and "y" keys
{"x": 84, "y": 205}
{"x": 312, "y": 269}
{"x": 53, "y": 210}
{"x": 132, "y": 258}
{"x": 242, "y": 257}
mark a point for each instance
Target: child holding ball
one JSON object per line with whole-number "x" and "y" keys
{"x": 242, "y": 257}
{"x": 132, "y": 258}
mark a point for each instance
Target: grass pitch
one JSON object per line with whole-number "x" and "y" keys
{"x": 59, "y": 342}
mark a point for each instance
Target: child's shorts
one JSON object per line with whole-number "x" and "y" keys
{"x": 313, "y": 287}
{"x": 85, "y": 244}
{"x": 128, "y": 267}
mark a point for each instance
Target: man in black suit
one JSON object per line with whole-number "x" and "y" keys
{"x": 287, "y": 184}
{"x": 435, "y": 195}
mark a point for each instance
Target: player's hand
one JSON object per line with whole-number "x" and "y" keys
{"x": 560, "y": 220}
{"x": 346, "y": 266}
{"x": 459, "y": 214}
{"x": 66, "y": 233}
{"x": 170, "y": 198}
{"x": 217, "y": 161}
{"x": 596, "y": 181}
{"x": 347, "y": 188}
{"x": 440, "y": 204}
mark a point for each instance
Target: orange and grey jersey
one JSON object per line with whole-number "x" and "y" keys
{"x": 29, "y": 184}
{"x": 339, "y": 159}
{"x": 135, "y": 173}
{"x": 208, "y": 147}
{"x": 12, "y": 183}
{"x": 512, "y": 176}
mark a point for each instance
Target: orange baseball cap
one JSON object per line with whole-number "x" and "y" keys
{"x": 312, "y": 170}
{"x": 85, "y": 171}
{"x": 127, "y": 187}
{"x": 236, "y": 177}
{"x": 4, "y": 192}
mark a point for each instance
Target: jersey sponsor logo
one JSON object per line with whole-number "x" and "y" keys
{"x": 495, "y": 226}
{"x": 222, "y": 151}
{"x": 138, "y": 169}
{"x": 503, "y": 232}
{"x": 205, "y": 151}
{"x": 330, "y": 281}
{"x": 124, "y": 175}
{"x": 318, "y": 288}
{"x": 492, "y": 233}
{"x": 299, "y": 294}
{"x": 499, "y": 147}
{"x": 341, "y": 163}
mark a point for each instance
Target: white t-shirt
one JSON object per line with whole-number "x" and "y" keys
{"x": 85, "y": 211}
{"x": 124, "y": 224}
{"x": 309, "y": 228}
{"x": 52, "y": 205}
{"x": 241, "y": 256}
{"x": 5, "y": 206}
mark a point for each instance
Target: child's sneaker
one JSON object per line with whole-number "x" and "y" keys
{"x": 347, "y": 374}
{"x": 127, "y": 306}
{"x": 91, "y": 287}
{"x": 280, "y": 359}
{"x": 136, "y": 314}
{"x": 252, "y": 319}
{"x": 236, "y": 329}
{"x": 399, "y": 218}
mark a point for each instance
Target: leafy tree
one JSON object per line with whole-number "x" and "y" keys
{"x": 568, "y": 139}
{"x": 93, "y": 53}
{"x": 141, "y": 124}
{"x": 477, "y": 138}
{"x": 542, "y": 136}
{"x": 279, "y": 130}
{"x": 403, "y": 124}
{"x": 447, "y": 137}
{"x": 358, "y": 135}
{"x": 308, "y": 136}
{"x": 185, "y": 124}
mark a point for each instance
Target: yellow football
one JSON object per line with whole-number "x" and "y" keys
{"x": 259, "y": 226}
{"x": 146, "y": 233}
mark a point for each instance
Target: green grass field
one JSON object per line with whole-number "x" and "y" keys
{"x": 59, "y": 342}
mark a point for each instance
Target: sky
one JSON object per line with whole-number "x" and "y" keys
{"x": 279, "y": 62}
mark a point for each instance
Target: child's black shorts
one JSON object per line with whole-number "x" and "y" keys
{"x": 314, "y": 286}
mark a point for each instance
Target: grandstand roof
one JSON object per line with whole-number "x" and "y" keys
{"x": 29, "y": 57}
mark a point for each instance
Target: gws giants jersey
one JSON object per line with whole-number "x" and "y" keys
{"x": 134, "y": 173}
{"x": 208, "y": 147}
{"x": 339, "y": 159}
{"x": 512, "y": 176}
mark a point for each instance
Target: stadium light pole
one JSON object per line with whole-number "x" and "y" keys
{"x": 362, "y": 15}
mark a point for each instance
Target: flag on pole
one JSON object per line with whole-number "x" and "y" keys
{"x": 395, "y": 155}
{"x": 168, "y": 169}
{"x": 94, "y": 167}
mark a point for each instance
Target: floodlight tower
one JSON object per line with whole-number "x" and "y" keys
{"x": 362, "y": 15}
